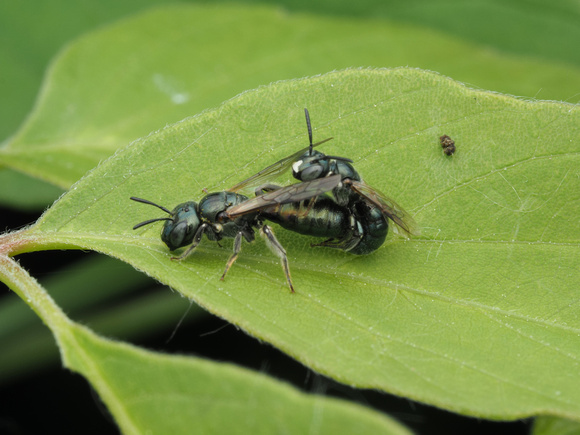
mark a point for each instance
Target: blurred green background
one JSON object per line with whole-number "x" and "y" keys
{"x": 31, "y": 33}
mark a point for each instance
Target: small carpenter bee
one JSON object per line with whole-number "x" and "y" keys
{"x": 363, "y": 203}
{"x": 230, "y": 214}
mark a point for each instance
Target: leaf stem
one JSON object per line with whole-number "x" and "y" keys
{"x": 30, "y": 291}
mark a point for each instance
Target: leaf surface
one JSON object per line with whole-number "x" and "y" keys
{"x": 152, "y": 393}
{"x": 555, "y": 426}
{"x": 484, "y": 300}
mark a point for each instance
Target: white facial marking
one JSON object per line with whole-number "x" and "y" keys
{"x": 296, "y": 165}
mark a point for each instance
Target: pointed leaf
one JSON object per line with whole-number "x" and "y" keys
{"x": 148, "y": 392}
{"x": 483, "y": 301}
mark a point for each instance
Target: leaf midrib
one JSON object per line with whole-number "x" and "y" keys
{"x": 80, "y": 240}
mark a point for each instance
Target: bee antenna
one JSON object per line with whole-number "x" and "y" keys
{"x": 145, "y": 201}
{"x": 342, "y": 159}
{"x": 309, "y": 128}
{"x": 150, "y": 221}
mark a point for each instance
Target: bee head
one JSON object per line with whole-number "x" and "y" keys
{"x": 179, "y": 228}
{"x": 310, "y": 166}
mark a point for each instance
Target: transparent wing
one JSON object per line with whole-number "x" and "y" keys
{"x": 277, "y": 168}
{"x": 293, "y": 193}
{"x": 390, "y": 208}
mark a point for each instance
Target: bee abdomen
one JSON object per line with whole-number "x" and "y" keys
{"x": 375, "y": 228}
{"x": 323, "y": 218}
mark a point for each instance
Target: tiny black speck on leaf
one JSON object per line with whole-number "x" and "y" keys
{"x": 448, "y": 145}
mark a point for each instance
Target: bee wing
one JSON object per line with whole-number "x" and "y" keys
{"x": 277, "y": 168}
{"x": 390, "y": 208}
{"x": 293, "y": 193}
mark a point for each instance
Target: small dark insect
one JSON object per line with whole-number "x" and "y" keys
{"x": 354, "y": 219}
{"x": 361, "y": 201}
{"x": 448, "y": 145}
{"x": 449, "y": 150}
{"x": 353, "y": 190}
{"x": 446, "y": 141}
{"x": 230, "y": 214}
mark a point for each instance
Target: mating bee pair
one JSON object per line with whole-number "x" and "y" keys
{"x": 354, "y": 217}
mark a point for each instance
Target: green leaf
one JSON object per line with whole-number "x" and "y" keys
{"x": 153, "y": 393}
{"x": 124, "y": 81}
{"x": 555, "y": 426}
{"x": 485, "y": 22}
{"x": 167, "y": 394}
{"x": 470, "y": 316}
{"x": 31, "y": 33}
{"x": 100, "y": 279}
{"x": 88, "y": 291}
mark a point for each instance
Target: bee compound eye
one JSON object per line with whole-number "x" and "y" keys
{"x": 312, "y": 173}
{"x": 173, "y": 234}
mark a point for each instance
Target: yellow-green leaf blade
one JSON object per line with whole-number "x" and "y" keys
{"x": 484, "y": 300}
{"x": 170, "y": 394}
{"x": 555, "y": 426}
{"x": 148, "y": 392}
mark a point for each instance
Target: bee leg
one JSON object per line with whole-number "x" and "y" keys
{"x": 277, "y": 249}
{"x": 233, "y": 258}
{"x": 327, "y": 242}
{"x": 308, "y": 209}
{"x": 344, "y": 244}
{"x": 349, "y": 241}
{"x": 196, "y": 239}
{"x": 266, "y": 188}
